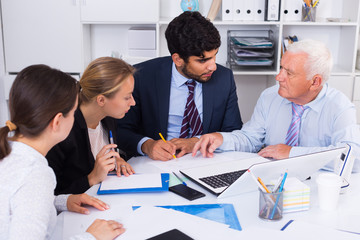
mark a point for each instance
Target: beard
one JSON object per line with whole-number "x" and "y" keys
{"x": 198, "y": 78}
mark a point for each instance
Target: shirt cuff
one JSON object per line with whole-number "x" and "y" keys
{"x": 60, "y": 202}
{"x": 144, "y": 139}
{"x": 227, "y": 144}
{"x": 83, "y": 236}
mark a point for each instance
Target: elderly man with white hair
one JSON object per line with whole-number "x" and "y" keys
{"x": 302, "y": 114}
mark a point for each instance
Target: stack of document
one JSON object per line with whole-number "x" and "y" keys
{"x": 250, "y": 51}
{"x": 252, "y": 41}
{"x": 296, "y": 196}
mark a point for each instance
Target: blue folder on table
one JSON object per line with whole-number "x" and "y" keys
{"x": 222, "y": 213}
{"x": 164, "y": 187}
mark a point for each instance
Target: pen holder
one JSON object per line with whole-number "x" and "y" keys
{"x": 271, "y": 205}
{"x": 308, "y": 14}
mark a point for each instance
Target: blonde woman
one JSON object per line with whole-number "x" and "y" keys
{"x": 42, "y": 103}
{"x": 86, "y": 156}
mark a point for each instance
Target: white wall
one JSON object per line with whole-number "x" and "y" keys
{"x": 3, "y": 103}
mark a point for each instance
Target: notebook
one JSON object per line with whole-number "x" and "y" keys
{"x": 300, "y": 167}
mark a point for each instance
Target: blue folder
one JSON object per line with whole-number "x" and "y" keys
{"x": 165, "y": 187}
{"x": 222, "y": 213}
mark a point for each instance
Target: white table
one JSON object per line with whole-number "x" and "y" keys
{"x": 246, "y": 205}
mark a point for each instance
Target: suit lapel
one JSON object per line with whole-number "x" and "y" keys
{"x": 163, "y": 83}
{"x": 80, "y": 120}
{"x": 207, "y": 92}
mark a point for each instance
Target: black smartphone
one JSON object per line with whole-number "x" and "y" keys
{"x": 186, "y": 192}
{"x": 173, "y": 234}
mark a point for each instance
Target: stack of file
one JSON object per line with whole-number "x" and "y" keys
{"x": 250, "y": 51}
{"x": 296, "y": 196}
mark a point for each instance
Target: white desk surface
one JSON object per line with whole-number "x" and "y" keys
{"x": 246, "y": 206}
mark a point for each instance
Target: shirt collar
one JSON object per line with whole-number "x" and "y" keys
{"x": 315, "y": 104}
{"x": 178, "y": 78}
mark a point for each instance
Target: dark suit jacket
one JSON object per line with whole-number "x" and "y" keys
{"x": 72, "y": 159}
{"x": 152, "y": 92}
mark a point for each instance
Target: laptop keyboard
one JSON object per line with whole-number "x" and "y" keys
{"x": 222, "y": 180}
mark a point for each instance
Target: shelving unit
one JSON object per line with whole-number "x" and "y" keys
{"x": 42, "y": 33}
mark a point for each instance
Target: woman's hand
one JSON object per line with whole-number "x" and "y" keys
{"x": 123, "y": 167}
{"x": 75, "y": 203}
{"x": 104, "y": 163}
{"x": 104, "y": 230}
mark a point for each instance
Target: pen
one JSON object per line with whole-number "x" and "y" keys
{"x": 278, "y": 197}
{"x": 165, "y": 141}
{"x": 112, "y": 142}
{"x": 179, "y": 179}
{"x": 277, "y": 185}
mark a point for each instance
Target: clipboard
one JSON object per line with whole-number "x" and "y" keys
{"x": 165, "y": 187}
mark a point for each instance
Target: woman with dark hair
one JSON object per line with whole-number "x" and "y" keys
{"x": 42, "y": 103}
{"x": 85, "y": 157}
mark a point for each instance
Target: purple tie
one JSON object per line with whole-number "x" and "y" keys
{"x": 292, "y": 136}
{"x": 191, "y": 117}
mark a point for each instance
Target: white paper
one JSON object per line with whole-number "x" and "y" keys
{"x": 188, "y": 161}
{"x": 145, "y": 180}
{"x": 76, "y": 223}
{"x": 148, "y": 221}
{"x": 314, "y": 231}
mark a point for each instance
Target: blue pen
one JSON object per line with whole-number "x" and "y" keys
{"x": 112, "y": 142}
{"x": 111, "y": 138}
{"x": 278, "y": 197}
{"x": 277, "y": 185}
{"x": 179, "y": 179}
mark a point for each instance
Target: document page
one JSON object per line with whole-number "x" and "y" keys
{"x": 188, "y": 161}
{"x": 76, "y": 223}
{"x": 151, "y": 180}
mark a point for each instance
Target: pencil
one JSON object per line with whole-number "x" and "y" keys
{"x": 315, "y": 3}
{"x": 262, "y": 184}
{"x": 165, "y": 141}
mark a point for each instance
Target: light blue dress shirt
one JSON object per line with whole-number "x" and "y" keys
{"x": 178, "y": 98}
{"x": 330, "y": 121}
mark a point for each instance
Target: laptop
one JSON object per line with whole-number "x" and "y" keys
{"x": 232, "y": 178}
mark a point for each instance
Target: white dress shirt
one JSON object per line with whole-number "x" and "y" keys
{"x": 330, "y": 121}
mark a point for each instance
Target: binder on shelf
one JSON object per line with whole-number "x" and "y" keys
{"x": 163, "y": 186}
{"x": 222, "y": 213}
{"x": 292, "y": 10}
{"x": 249, "y": 10}
{"x": 239, "y": 10}
{"x": 227, "y": 10}
{"x": 259, "y": 10}
{"x": 272, "y": 10}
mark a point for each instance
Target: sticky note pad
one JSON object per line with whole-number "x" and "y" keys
{"x": 296, "y": 196}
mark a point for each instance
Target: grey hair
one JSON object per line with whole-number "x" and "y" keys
{"x": 319, "y": 60}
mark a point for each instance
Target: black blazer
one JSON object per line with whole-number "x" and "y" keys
{"x": 72, "y": 159}
{"x": 152, "y": 93}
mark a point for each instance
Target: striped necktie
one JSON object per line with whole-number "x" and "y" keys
{"x": 292, "y": 136}
{"x": 191, "y": 119}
